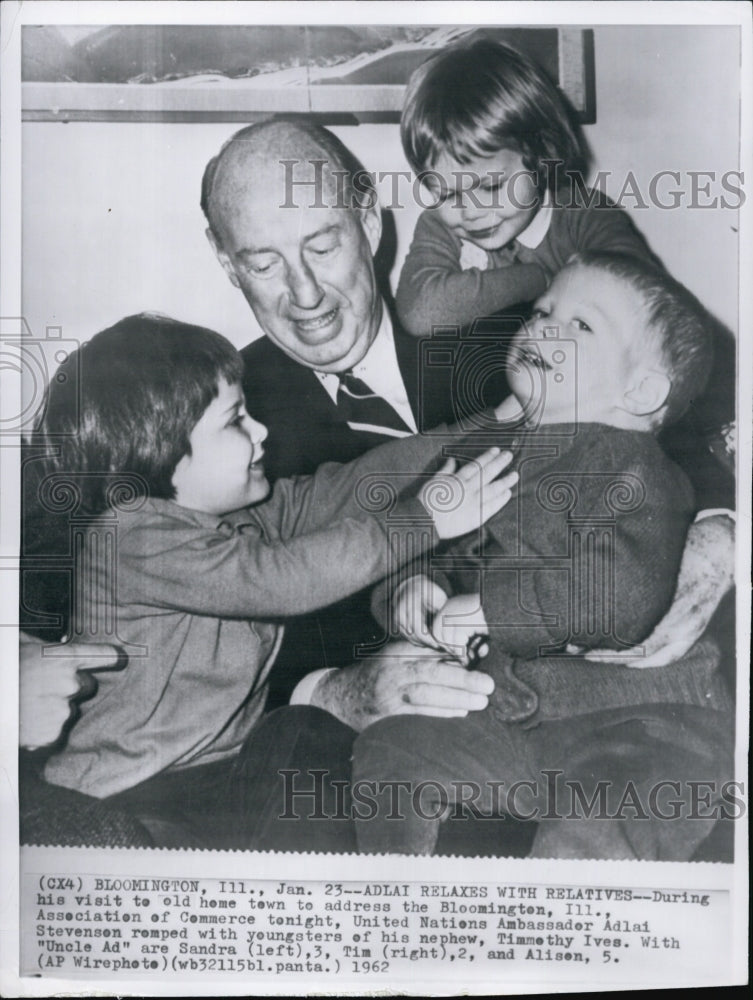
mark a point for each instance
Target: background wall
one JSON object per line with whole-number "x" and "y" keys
{"x": 112, "y": 223}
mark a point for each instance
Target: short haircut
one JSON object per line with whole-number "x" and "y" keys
{"x": 682, "y": 328}
{"x": 357, "y": 185}
{"x": 128, "y": 403}
{"x": 479, "y": 96}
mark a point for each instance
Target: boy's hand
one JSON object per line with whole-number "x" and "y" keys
{"x": 459, "y": 619}
{"x": 412, "y": 603}
{"x": 462, "y": 501}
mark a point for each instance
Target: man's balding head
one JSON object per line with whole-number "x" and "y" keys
{"x": 294, "y": 155}
{"x": 293, "y": 220}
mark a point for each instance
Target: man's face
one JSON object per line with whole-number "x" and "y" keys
{"x": 306, "y": 272}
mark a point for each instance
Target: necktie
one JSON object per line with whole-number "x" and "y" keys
{"x": 364, "y": 410}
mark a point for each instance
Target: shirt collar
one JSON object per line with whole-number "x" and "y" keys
{"x": 538, "y": 227}
{"x": 199, "y": 517}
{"x": 382, "y": 347}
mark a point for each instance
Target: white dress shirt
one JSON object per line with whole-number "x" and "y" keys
{"x": 381, "y": 373}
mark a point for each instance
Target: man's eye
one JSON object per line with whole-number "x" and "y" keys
{"x": 539, "y": 313}
{"x": 323, "y": 249}
{"x": 262, "y": 265}
{"x": 582, "y": 326}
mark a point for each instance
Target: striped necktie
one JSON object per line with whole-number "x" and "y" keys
{"x": 364, "y": 410}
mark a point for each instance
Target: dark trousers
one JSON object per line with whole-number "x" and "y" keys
{"x": 634, "y": 752}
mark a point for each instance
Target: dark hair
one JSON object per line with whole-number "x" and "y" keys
{"x": 677, "y": 319}
{"x": 479, "y": 96}
{"x": 357, "y": 190}
{"x": 128, "y": 403}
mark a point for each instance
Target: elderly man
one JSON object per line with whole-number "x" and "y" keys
{"x": 335, "y": 374}
{"x": 297, "y": 236}
{"x": 294, "y": 223}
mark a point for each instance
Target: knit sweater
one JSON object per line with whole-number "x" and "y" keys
{"x": 434, "y": 290}
{"x": 586, "y": 553}
{"x": 196, "y": 600}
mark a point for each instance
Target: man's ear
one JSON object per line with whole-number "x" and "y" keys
{"x": 223, "y": 258}
{"x": 371, "y": 221}
{"x": 648, "y": 393}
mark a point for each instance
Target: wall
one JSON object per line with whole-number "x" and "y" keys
{"x": 112, "y": 223}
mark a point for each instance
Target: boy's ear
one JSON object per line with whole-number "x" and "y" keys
{"x": 648, "y": 393}
{"x": 223, "y": 258}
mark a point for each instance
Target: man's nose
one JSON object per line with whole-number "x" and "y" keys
{"x": 305, "y": 291}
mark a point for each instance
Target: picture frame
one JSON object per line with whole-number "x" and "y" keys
{"x": 212, "y": 73}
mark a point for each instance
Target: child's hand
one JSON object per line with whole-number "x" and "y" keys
{"x": 459, "y": 619}
{"x": 412, "y": 603}
{"x": 472, "y": 255}
{"x": 462, "y": 501}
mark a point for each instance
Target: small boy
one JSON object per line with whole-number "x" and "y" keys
{"x": 493, "y": 143}
{"x": 585, "y": 556}
{"x": 154, "y": 436}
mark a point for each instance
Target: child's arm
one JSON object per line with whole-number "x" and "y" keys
{"x": 178, "y": 564}
{"x": 434, "y": 290}
{"x": 397, "y": 468}
{"x": 578, "y": 227}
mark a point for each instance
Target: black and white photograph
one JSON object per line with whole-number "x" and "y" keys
{"x": 376, "y": 455}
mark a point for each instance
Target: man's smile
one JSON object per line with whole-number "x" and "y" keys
{"x": 313, "y": 323}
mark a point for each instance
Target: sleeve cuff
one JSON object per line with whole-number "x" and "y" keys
{"x": 713, "y": 511}
{"x": 305, "y": 687}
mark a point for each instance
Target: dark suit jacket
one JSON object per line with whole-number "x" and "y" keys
{"x": 305, "y": 428}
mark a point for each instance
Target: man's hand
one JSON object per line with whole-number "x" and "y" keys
{"x": 462, "y": 501}
{"x": 706, "y": 574}
{"x": 49, "y": 680}
{"x": 413, "y": 601}
{"x": 402, "y": 680}
{"x": 459, "y": 619}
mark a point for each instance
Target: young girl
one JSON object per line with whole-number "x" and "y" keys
{"x": 491, "y": 139}
{"x": 187, "y": 560}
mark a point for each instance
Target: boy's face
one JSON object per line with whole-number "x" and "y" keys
{"x": 224, "y": 471}
{"x": 583, "y": 350}
{"x": 488, "y": 201}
